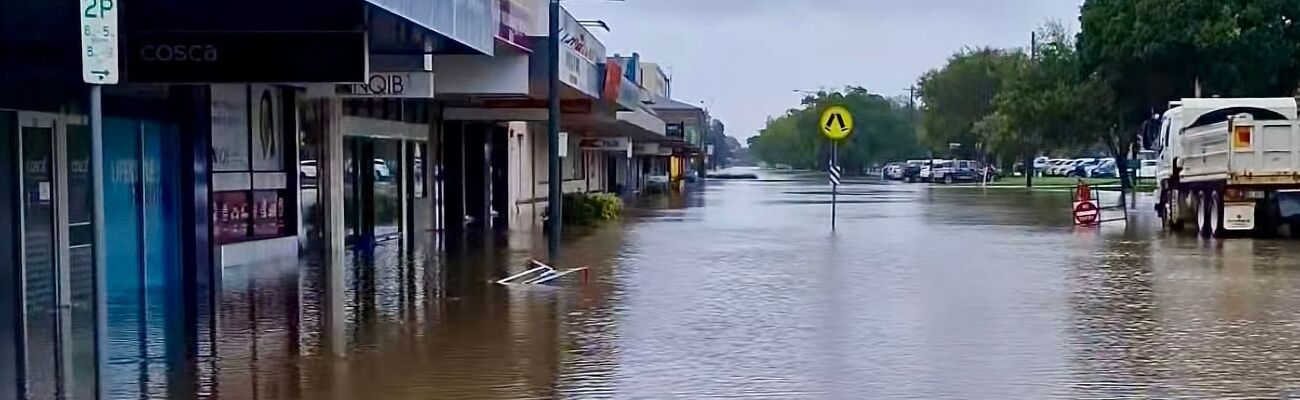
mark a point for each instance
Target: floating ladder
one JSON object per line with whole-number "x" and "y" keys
{"x": 542, "y": 274}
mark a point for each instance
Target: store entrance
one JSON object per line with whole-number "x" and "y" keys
{"x": 57, "y": 334}
{"x": 386, "y": 192}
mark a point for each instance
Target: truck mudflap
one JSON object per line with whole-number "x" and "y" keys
{"x": 1239, "y": 216}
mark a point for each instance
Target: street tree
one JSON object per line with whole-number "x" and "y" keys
{"x": 883, "y": 131}
{"x": 962, "y": 93}
{"x": 1146, "y": 53}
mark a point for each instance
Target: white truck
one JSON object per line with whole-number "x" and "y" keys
{"x": 1230, "y": 165}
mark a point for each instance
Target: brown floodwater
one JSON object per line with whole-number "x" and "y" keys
{"x": 739, "y": 289}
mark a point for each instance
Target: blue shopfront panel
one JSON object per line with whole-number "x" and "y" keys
{"x": 142, "y": 253}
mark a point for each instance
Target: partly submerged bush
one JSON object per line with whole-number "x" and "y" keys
{"x": 582, "y": 208}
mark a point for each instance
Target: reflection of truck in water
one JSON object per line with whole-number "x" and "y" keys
{"x": 1230, "y": 165}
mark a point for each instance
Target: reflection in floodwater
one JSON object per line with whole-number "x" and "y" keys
{"x": 739, "y": 289}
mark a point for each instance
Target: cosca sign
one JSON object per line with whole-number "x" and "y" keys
{"x": 198, "y": 53}
{"x": 391, "y": 84}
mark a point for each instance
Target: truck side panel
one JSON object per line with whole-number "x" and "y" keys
{"x": 1205, "y": 154}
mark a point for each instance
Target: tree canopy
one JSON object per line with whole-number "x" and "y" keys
{"x": 961, "y": 94}
{"x": 883, "y": 131}
{"x": 1075, "y": 93}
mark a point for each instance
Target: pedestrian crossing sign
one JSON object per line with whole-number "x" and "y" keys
{"x": 837, "y": 123}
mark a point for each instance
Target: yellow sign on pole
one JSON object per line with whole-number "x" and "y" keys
{"x": 837, "y": 123}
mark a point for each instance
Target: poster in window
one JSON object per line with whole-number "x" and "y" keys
{"x": 268, "y": 213}
{"x": 229, "y": 128}
{"x": 419, "y": 171}
{"x": 230, "y": 216}
{"x": 268, "y": 138}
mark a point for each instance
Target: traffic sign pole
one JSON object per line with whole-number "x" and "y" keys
{"x": 836, "y": 124}
{"x": 835, "y": 182}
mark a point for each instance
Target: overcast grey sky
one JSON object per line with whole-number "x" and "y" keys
{"x": 743, "y": 58}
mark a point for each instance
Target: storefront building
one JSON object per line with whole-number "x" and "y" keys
{"x": 502, "y": 100}
{"x": 218, "y": 158}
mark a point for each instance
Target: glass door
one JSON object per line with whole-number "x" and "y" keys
{"x": 58, "y": 276}
{"x": 42, "y": 369}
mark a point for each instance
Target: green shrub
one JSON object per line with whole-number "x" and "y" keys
{"x": 583, "y": 209}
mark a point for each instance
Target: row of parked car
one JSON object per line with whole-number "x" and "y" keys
{"x": 945, "y": 171}
{"x": 1077, "y": 167}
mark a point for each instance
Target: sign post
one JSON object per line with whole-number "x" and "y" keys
{"x": 837, "y": 124}
{"x": 99, "y": 66}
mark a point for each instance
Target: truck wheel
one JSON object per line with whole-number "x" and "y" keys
{"x": 1202, "y": 214}
{"x": 1172, "y": 213}
{"x": 1216, "y": 215}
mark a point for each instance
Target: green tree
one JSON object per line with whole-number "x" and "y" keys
{"x": 883, "y": 131}
{"x": 1149, "y": 52}
{"x": 1050, "y": 103}
{"x": 962, "y": 93}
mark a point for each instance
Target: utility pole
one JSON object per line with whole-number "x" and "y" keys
{"x": 911, "y": 105}
{"x": 1029, "y": 152}
{"x": 555, "y": 184}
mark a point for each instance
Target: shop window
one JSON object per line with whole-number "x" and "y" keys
{"x": 251, "y": 174}
{"x": 575, "y": 165}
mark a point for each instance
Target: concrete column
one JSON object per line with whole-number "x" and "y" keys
{"x": 331, "y": 186}
{"x": 453, "y": 159}
{"x": 499, "y": 166}
{"x": 478, "y": 179}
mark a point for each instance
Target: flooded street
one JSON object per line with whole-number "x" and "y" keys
{"x": 740, "y": 290}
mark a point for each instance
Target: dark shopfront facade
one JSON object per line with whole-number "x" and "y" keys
{"x": 76, "y": 329}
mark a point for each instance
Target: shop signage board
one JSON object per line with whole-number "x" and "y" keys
{"x": 231, "y": 57}
{"x": 99, "y": 52}
{"x": 244, "y": 41}
{"x": 516, "y": 22}
{"x": 618, "y": 145}
{"x": 646, "y": 149}
{"x": 415, "y": 84}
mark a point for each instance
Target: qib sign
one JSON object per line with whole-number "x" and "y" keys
{"x": 391, "y": 84}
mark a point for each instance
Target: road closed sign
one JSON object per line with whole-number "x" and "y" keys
{"x": 1086, "y": 213}
{"x": 837, "y": 123}
{"x": 98, "y": 32}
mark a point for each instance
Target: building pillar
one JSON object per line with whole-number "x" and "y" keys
{"x": 330, "y": 181}
{"x": 453, "y": 159}
{"x": 499, "y": 165}
{"x": 9, "y": 260}
{"x": 478, "y": 179}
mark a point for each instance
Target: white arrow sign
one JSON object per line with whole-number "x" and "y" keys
{"x": 99, "y": 41}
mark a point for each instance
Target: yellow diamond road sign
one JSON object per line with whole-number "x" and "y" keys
{"x": 837, "y": 123}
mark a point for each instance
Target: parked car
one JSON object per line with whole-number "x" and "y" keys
{"x": 942, "y": 169}
{"x": 1148, "y": 169}
{"x": 912, "y": 173}
{"x": 893, "y": 171}
{"x": 958, "y": 171}
{"x": 1105, "y": 168}
{"x": 1052, "y": 165}
{"x": 1080, "y": 167}
{"x": 1040, "y": 163}
{"x": 1065, "y": 168}
{"x": 382, "y": 173}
